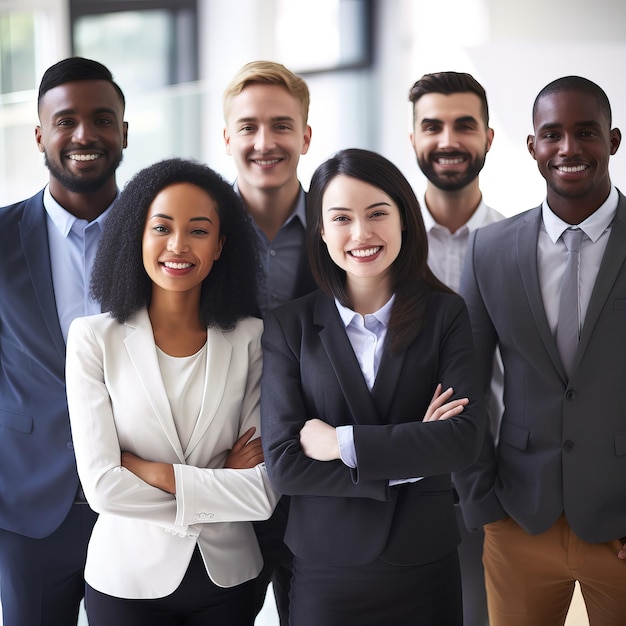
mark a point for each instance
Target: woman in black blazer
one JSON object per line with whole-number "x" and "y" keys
{"x": 350, "y": 427}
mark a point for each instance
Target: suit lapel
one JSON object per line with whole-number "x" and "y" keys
{"x": 387, "y": 380}
{"x": 527, "y": 237}
{"x": 34, "y": 238}
{"x": 344, "y": 362}
{"x": 219, "y": 352}
{"x": 610, "y": 267}
{"x": 142, "y": 352}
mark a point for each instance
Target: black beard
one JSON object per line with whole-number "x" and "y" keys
{"x": 455, "y": 182}
{"x": 82, "y": 185}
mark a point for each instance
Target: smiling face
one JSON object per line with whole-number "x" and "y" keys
{"x": 362, "y": 229}
{"x": 450, "y": 139}
{"x": 266, "y": 134}
{"x": 181, "y": 238}
{"x": 82, "y": 134}
{"x": 572, "y": 144}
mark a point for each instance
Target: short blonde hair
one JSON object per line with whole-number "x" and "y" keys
{"x": 267, "y": 73}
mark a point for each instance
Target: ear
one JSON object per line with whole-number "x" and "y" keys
{"x": 218, "y": 252}
{"x": 616, "y": 139}
{"x": 490, "y": 134}
{"x": 307, "y": 139}
{"x": 38, "y": 139}
{"x": 530, "y": 144}
{"x": 125, "y": 144}
{"x": 227, "y": 140}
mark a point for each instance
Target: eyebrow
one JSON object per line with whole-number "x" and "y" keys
{"x": 581, "y": 124}
{"x": 371, "y": 206}
{"x": 192, "y": 219}
{"x": 75, "y": 112}
{"x": 464, "y": 118}
{"x": 280, "y": 118}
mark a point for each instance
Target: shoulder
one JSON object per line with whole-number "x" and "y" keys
{"x": 16, "y": 210}
{"x": 246, "y": 330}
{"x": 497, "y": 232}
{"x": 100, "y": 324}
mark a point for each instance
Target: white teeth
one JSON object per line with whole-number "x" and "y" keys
{"x": 455, "y": 161}
{"x": 267, "y": 162}
{"x": 177, "y": 266}
{"x": 83, "y": 157}
{"x": 365, "y": 253}
{"x": 571, "y": 169}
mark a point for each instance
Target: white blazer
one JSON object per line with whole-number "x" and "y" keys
{"x": 144, "y": 537}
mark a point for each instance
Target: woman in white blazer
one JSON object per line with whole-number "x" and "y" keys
{"x": 163, "y": 394}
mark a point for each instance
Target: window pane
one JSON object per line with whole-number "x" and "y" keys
{"x": 17, "y": 52}
{"x": 136, "y": 44}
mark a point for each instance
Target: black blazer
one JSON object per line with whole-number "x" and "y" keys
{"x": 340, "y": 516}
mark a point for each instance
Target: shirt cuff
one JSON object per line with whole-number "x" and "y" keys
{"x": 347, "y": 452}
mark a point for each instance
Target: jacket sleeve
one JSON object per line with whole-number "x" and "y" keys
{"x": 476, "y": 483}
{"x": 283, "y": 414}
{"x": 413, "y": 447}
{"x": 229, "y": 495}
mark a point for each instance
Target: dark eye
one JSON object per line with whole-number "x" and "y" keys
{"x": 159, "y": 228}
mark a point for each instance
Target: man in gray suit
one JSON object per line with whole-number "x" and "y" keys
{"x": 551, "y": 495}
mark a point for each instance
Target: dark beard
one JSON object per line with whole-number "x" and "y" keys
{"x": 82, "y": 185}
{"x": 456, "y": 181}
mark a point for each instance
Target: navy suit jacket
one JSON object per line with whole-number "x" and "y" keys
{"x": 340, "y": 516}
{"x": 562, "y": 444}
{"x": 38, "y": 478}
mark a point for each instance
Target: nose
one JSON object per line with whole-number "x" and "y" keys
{"x": 85, "y": 133}
{"x": 448, "y": 137}
{"x": 264, "y": 140}
{"x": 569, "y": 146}
{"x": 361, "y": 230}
{"x": 177, "y": 243}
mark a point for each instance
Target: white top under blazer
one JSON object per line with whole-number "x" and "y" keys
{"x": 144, "y": 538}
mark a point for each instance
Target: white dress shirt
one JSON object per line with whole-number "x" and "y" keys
{"x": 446, "y": 250}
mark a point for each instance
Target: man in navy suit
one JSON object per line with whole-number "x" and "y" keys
{"x": 48, "y": 243}
{"x": 551, "y": 493}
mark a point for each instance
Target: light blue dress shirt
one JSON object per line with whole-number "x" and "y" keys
{"x": 73, "y": 243}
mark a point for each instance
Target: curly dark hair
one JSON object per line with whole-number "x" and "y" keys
{"x": 120, "y": 282}
{"x": 412, "y": 279}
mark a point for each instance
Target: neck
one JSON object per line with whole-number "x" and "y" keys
{"x": 368, "y": 295}
{"x": 270, "y": 208}
{"x": 86, "y": 206}
{"x": 575, "y": 210}
{"x": 175, "y": 320}
{"x": 453, "y": 209}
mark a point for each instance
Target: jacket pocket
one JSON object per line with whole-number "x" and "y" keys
{"x": 514, "y": 436}
{"x": 16, "y": 421}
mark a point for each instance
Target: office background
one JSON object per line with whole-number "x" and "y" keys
{"x": 173, "y": 59}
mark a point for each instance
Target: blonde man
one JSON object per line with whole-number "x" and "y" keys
{"x": 266, "y": 108}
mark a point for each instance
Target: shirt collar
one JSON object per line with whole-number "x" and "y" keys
{"x": 593, "y": 226}
{"x": 64, "y": 220}
{"x": 475, "y": 221}
{"x": 382, "y": 315}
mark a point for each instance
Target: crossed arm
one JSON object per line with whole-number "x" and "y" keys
{"x": 245, "y": 454}
{"x": 319, "y": 440}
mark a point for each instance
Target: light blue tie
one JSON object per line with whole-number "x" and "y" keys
{"x": 568, "y": 326}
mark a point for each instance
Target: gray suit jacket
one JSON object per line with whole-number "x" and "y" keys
{"x": 562, "y": 445}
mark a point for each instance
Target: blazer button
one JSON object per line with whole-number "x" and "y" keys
{"x": 568, "y": 446}
{"x": 570, "y": 394}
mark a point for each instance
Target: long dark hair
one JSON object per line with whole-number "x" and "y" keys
{"x": 412, "y": 280}
{"x": 120, "y": 282}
